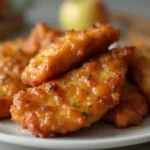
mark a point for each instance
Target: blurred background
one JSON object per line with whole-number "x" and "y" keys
{"x": 24, "y": 14}
{"x": 47, "y": 10}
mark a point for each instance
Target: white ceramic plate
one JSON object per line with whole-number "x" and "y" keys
{"x": 99, "y": 136}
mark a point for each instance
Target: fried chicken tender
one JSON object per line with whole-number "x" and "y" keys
{"x": 76, "y": 100}
{"x": 68, "y": 51}
{"x": 12, "y": 63}
{"x": 40, "y": 36}
{"x": 140, "y": 68}
{"x": 15, "y": 55}
{"x": 131, "y": 110}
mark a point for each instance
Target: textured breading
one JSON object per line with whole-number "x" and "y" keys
{"x": 68, "y": 51}
{"x": 40, "y": 36}
{"x": 140, "y": 68}
{"x": 12, "y": 63}
{"x": 14, "y": 56}
{"x": 76, "y": 100}
{"x": 131, "y": 110}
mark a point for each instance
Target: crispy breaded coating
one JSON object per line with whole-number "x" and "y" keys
{"x": 14, "y": 56}
{"x": 131, "y": 110}
{"x": 140, "y": 68}
{"x": 12, "y": 63}
{"x": 68, "y": 51}
{"x": 40, "y": 36}
{"x": 76, "y": 100}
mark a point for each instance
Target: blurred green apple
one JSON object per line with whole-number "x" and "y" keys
{"x": 78, "y": 14}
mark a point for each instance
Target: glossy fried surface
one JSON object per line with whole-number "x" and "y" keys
{"x": 131, "y": 110}
{"x": 12, "y": 63}
{"x": 14, "y": 56}
{"x": 68, "y": 51}
{"x": 76, "y": 100}
{"x": 140, "y": 68}
{"x": 40, "y": 36}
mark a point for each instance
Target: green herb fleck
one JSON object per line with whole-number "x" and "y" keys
{"x": 24, "y": 89}
{"x": 71, "y": 84}
{"x": 52, "y": 87}
{"x": 90, "y": 106}
{"x": 4, "y": 94}
{"x": 85, "y": 114}
{"x": 48, "y": 118}
{"x": 88, "y": 77}
{"x": 75, "y": 105}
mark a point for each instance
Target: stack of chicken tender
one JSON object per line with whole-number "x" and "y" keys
{"x": 55, "y": 82}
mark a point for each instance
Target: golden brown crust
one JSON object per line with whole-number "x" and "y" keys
{"x": 76, "y": 100}
{"x": 140, "y": 68}
{"x": 40, "y": 36}
{"x": 12, "y": 63}
{"x": 131, "y": 110}
{"x": 74, "y": 47}
{"x": 14, "y": 56}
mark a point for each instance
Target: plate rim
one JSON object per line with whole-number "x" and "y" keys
{"x": 68, "y": 144}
